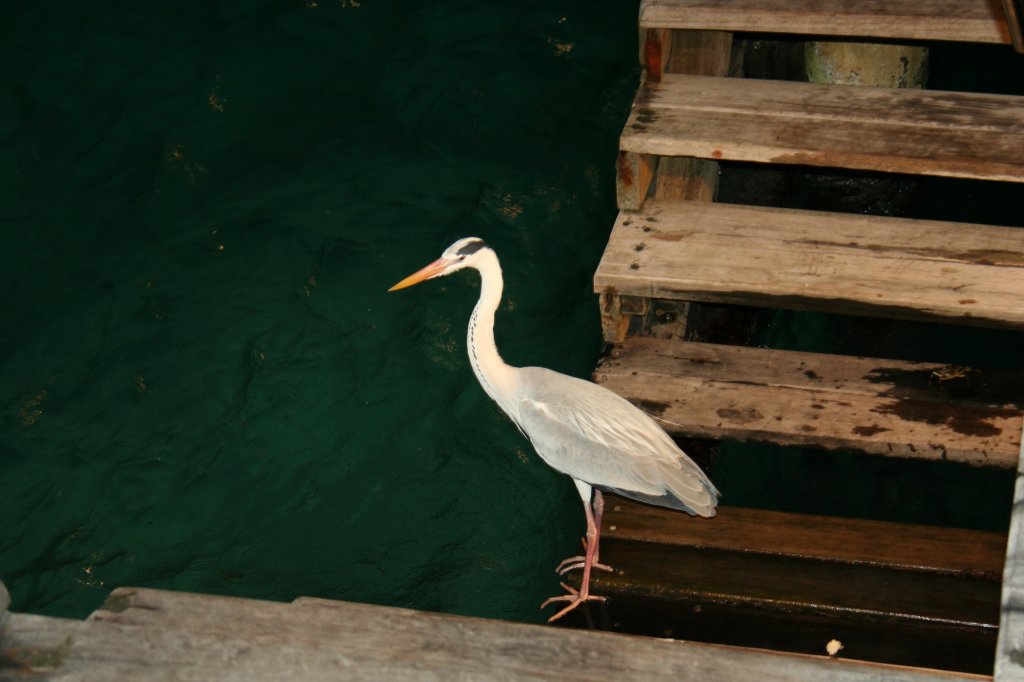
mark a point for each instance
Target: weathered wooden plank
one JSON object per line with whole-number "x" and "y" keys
{"x": 883, "y": 129}
{"x": 967, "y": 650}
{"x": 979, "y": 21}
{"x": 878, "y": 614}
{"x": 793, "y": 581}
{"x": 152, "y": 635}
{"x": 848, "y": 263}
{"x": 1009, "y": 664}
{"x": 848, "y": 591}
{"x": 884, "y": 407}
{"x": 951, "y": 551}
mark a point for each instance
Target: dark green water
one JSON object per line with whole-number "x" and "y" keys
{"x": 204, "y": 384}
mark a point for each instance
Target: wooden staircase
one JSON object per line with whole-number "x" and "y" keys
{"x": 770, "y": 571}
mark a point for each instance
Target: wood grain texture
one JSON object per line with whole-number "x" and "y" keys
{"x": 883, "y": 129}
{"x": 147, "y": 635}
{"x": 633, "y": 175}
{"x": 878, "y": 613}
{"x": 655, "y": 51}
{"x": 883, "y": 407}
{"x": 950, "y": 551}
{"x": 778, "y": 583}
{"x": 847, "y": 263}
{"x": 978, "y": 21}
{"x": 891, "y": 592}
{"x": 702, "y": 53}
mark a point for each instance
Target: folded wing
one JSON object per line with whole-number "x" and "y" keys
{"x": 596, "y": 436}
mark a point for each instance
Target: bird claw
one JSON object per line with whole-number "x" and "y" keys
{"x": 574, "y": 597}
{"x": 574, "y": 562}
{"x": 579, "y": 561}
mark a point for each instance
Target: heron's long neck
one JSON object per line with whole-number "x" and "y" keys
{"x": 496, "y": 377}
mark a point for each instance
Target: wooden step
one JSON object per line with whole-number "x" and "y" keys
{"x": 952, "y": 552}
{"x": 924, "y": 132}
{"x": 882, "y": 407}
{"x": 889, "y": 591}
{"x": 976, "y": 21}
{"x": 845, "y": 263}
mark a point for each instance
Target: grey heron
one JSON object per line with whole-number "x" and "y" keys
{"x": 577, "y": 427}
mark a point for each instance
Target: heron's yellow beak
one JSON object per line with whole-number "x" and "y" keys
{"x": 432, "y": 270}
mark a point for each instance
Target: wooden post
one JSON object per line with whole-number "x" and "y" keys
{"x": 874, "y": 64}
{"x": 705, "y": 53}
{"x": 5, "y": 602}
{"x": 1014, "y": 15}
{"x": 1010, "y": 645}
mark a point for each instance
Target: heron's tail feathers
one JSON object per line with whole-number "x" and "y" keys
{"x": 686, "y": 489}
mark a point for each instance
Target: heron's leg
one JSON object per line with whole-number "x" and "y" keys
{"x": 577, "y": 597}
{"x": 593, "y": 519}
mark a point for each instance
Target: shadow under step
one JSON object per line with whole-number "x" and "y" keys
{"x": 883, "y": 407}
{"x": 836, "y": 262}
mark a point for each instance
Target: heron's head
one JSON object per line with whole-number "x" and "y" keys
{"x": 462, "y": 254}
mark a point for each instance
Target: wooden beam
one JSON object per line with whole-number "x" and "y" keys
{"x": 894, "y": 130}
{"x": 701, "y": 53}
{"x": 149, "y": 635}
{"x": 5, "y": 602}
{"x": 883, "y": 407}
{"x": 954, "y": 552}
{"x": 655, "y": 52}
{"x": 836, "y": 262}
{"x": 879, "y": 614}
{"x": 633, "y": 176}
{"x": 1010, "y": 647}
{"x": 979, "y": 21}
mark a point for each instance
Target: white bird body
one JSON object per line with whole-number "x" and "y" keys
{"x": 583, "y": 430}
{"x": 577, "y": 427}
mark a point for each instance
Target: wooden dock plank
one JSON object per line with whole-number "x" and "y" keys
{"x": 883, "y": 129}
{"x": 979, "y": 21}
{"x": 952, "y": 551}
{"x": 847, "y": 263}
{"x": 883, "y": 407}
{"x": 153, "y": 635}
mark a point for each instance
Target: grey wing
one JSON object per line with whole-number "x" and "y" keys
{"x": 596, "y": 436}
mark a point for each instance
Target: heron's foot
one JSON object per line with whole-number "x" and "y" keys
{"x": 574, "y": 597}
{"x": 574, "y": 562}
{"x": 579, "y": 561}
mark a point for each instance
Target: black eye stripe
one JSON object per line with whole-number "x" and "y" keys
{"x": 471, "y": 248}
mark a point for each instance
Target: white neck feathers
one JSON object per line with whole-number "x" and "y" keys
{"x": 496, "y": 377}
